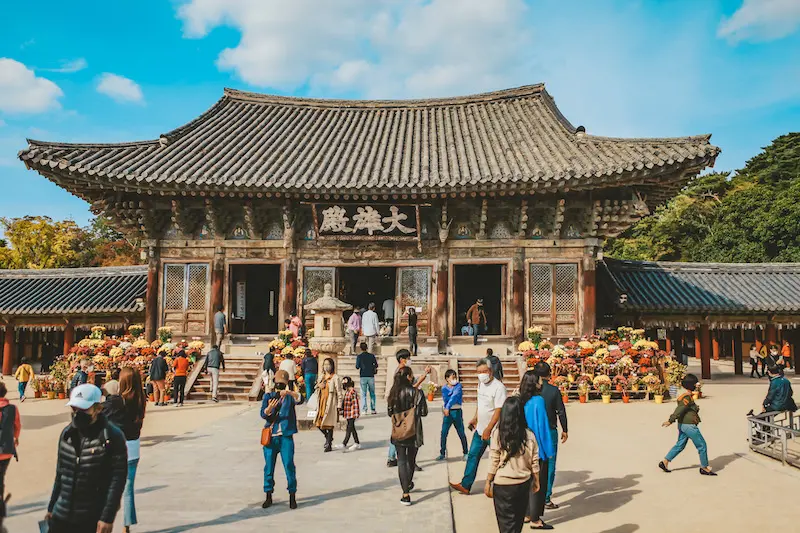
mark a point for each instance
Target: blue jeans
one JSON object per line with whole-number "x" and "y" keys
{"x": 392, "y": 452}
{"x": 368, "y": 385}
{"x": 455, "y": 418}
{"x": 283, "y": 446}
{"x": 129, "y": 508}
{"x": 685, "y": 433}
{"x": 476, "y": 449}
{"x": 311, "y": 382}
{"x": 551, "y": 470}
{"x": 21, "y": 388}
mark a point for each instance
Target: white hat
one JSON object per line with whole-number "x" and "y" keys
{"x": 84, "y": 396}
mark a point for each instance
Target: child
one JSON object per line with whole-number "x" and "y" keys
{"x": 290, "y": 367}
{"x": 452, "y": 396}
{"x": 23, "y": 375}
{"x": 686, "y": 414}
{"x": 351, "y": 412}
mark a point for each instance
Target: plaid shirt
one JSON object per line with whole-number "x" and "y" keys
{"x": 350, "y": 406}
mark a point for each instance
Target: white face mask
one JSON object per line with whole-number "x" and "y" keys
{"x": 484, "y": 378}
{"x": 453, "y": 381}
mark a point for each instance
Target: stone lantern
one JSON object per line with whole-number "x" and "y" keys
{"x": 328, "y": 337}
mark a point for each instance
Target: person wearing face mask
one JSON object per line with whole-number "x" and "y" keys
{"x": 452, "y": 396}
{"x": 331, "y": 398}
{"x": 91, "y": 470}
{"x": 491, "y": 397}
{"x": 476, "y": 318}
{"x": 278, "y": 409}
{"x": 406, "y": 406}
{"x": 537, "y": 420}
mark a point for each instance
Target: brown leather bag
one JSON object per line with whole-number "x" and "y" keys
{"x": 404, "y": 423}
{"x": 266, "y": 435}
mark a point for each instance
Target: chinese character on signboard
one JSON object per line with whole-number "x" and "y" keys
{"x": 367, "y": 222}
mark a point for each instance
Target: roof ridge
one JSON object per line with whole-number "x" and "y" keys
{"x": 74, "y": 272}
{"x": 485, "y": 97}
{"x": 691, "y": 265}
{"x": 689, "y": 139}
{"x": 55, "y": 144}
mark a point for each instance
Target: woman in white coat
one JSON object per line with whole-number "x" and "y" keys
{"x": 331, "y": 396}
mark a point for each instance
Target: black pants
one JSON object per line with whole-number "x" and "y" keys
{"x": 328, "y": 437}
{"x": 3, "y": 467}
{"x": 510, "y": 502}
{"x": 537, "y": 499}
{"x": 178, "y": 388}
{"x": 754, "y": 368}
{"x": 412, "y": 340}
{"x": 763, "y": 367}
{"x": 406, "y": 465}
{"x": 58, "y": 526}
{"x": 351, "y": 430}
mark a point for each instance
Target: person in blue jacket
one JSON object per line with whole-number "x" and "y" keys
{"x": 278, "y": 409}
{"x": 536, "y": 418}
{"x": 452, "y": 398}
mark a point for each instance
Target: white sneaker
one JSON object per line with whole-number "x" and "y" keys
{"x": 338, "y": 446}
{"x": 354, "y": 447}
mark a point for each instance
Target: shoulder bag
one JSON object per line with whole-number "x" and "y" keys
{"x": 404, "y": 423}
{"x": 266, "y": 435}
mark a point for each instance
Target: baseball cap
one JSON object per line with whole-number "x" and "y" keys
{"x": 84, "y": 396}
{"x": 282, "y": 376}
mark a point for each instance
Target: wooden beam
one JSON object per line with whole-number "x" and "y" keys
{"x": 705, "y": 351}
{"x": 589, "y": 298}
{"x": 715, "y": 344}
{"x": 442, "y": 280}
{"x": 8, "y": 349}
{"x": 696, "y": 343}
{"x": 151, "y": 298}
{"x": 69, "y": 336}
{"x": 771, "y": 334}
{"x": 736, "y": 338}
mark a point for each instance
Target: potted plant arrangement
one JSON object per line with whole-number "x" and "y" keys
{"x": 626, "y": 397}
{"x": 60, "y": 390}
{"x": 634, "y": 383}
{"x": 658, "y": 392}
{"x": 429, "y": 389}
{"x": 675, "y": 374}
{"x": 619, "y": 382}
{"x": 563, "y": 386}
{"x": 602, "y": 383}
{"x": 583, "y": 391}
{"x": 37, "y": 384}
{"x": 51, "y": 391}
{"x": 164, "y": 334}
{"x": 136, "y": 330}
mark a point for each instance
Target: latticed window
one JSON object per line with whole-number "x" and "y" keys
{"x": 554, "y": 298}
{"x": 414, "y": 288}
{"x": 186, "y": 297}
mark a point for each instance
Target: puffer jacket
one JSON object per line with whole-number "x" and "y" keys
{"x": 409, "y": 398}
{"x": 89, "y": 482}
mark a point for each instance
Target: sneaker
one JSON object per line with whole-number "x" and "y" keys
{"x": 354, "y": 447}
{"x": 374, "y": 412}
{"x": 338, "y": 446}
{"x": 22, "y": 399}
{"x": 214, "y": 400}
{"x": 405, "y": 500}
{"x": 391, "y": 463}
{"x": 440, "y": 458}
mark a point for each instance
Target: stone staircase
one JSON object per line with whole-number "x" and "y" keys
{"x": 347, "y": 367}
{"x": 468, "y": 375}
{"x": 234, "y": 383}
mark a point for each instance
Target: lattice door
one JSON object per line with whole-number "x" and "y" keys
{"x": 566, "y": 296}
{"x": 541, "y": 282}
{"x": 554, "y": 298}
{"x": 186, "y": 298}
{"x": 414, "y": 289}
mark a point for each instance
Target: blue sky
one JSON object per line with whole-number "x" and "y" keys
{"x": 124, "y": 70}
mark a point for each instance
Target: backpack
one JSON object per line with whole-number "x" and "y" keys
{"x": 9, "y": 415}
{"x": 404, "y": 423}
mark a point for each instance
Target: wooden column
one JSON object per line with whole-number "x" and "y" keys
{"x": 771, "y": 333}
{"x": 697, "y": 343}
{"x": 217, "y": 287}
{"x": 290, "y": 298}
{"x": 715, "y": 344}
{"x": 442, "y": 281}
{"x": 517, "y": 329}
{"x": 737, "y": 352}
{"x": 8, "y": 350}
{"x": 705, "y": 351}
{"x": 151, "y": 298}
{"x": 589, "y": 296}
{"x": 668, "y": 347}
{"x": 69, "y": 336}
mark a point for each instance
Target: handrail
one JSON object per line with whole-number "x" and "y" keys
{"x": 767, "y": 436}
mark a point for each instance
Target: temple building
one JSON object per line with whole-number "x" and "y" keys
{"x": 262, "y": 200}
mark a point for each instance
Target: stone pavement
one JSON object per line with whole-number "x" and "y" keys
{"x": 211, "y": 480}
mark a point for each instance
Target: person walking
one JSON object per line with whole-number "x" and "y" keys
{"x": 181, "y": 367}
{"x": 762, "y": 359}
{"x": 779, "y": 396}
{"x": 412, "y": 331}
{"x": 403, "y": 357}
{"x": 81, "y": 377}
{"x": 491, "y": 396}
{"x": 535, "y": 411}
{"x": 331, "y": 397}
{"x": 370, "y": 327}
{"x": 513, "y": 467}
{"x": 214, "y": 361}
{"x": 278, "y": 410}
{"x": 452, "y": 397}
{"x": 268, "y": 371}
{"x": 310, "y": 369}
{"x": 220, "y": 325}
{"x": 476, "y": 319}
{"x": 290, "y": 367}
{"x": 754, "y": 362}
{"x": 23, "y": 375}
{"x": 125, "y": 407}
{"x": 10, "y": 428}
{"x": 687, "y": 416}
{"x": 367, "y": 366}
{"x": 406, "y": 406}
{"x": 388, "y": 311}
{"x": 350, "y": 412}
{"x": 354, "y": 329}
{"x": 295, "y": 325}
{"x": 497, "y": 365}
{"x": 91, "y": 469}
{"x": 158, "y": 377}
{"x": 556, "y": 413}
{"x": 786, "y": 353}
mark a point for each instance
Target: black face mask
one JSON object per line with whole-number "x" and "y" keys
{"x": 81, "y": 419}
{"x": 280, "y": 386}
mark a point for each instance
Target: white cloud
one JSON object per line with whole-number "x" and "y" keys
{"x": 21, "y": 91}
{"x": 382, "y": 48}
{"x": 120, "y": 88}
{"x": 761, "y": 20}
{"x": 68, "y": 67}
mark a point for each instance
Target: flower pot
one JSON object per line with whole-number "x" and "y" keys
{"x": 626, "y": 399}
{"x": 51, "y": 395}
{"x": 635, "y": 388}
{"x": 606, "y": 398}
{"x": 659, "y": 398}
{"x": 62, "y": 396}
{"x": 152, "y": 398}
{"x": 430, "y": 397}
{"x": 565, "y": 398}
{"x": 37, "y": 394}
{"x": 582, "y": 398}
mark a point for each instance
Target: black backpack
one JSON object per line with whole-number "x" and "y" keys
{"x": 7, "y": 418}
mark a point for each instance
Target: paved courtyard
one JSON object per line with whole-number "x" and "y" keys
{"x": 201, "y": 470}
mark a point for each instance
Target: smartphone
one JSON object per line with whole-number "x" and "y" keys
{"x": 471, "y": 427}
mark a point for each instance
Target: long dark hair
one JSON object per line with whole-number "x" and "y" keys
{"x": 400, "y": 384}
{"x": 132, "y": 392}
{"x": 529, "y": 386}
{"x": 333, "y": 365}
{"x": 512, "y": 427}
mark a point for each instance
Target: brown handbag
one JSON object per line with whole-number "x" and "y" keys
{"x": 404, "y": 424}
{"x": 266, "y": 435}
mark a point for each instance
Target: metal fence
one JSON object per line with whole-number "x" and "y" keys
{"x": 777, "y": 435}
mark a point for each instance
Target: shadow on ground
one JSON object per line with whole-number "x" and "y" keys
{"x": 624, "y": 528}
{"x": 592, "y": 496}
{"x": 31, "y": 422}
{"x": 718, "y": 464}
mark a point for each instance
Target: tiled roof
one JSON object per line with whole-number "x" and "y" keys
{"x": 704, "y": 287}
{"x": 512, "y": 139}
{"x": 72, "y": 291}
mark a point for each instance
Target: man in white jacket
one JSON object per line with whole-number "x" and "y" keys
{"x": 370, "y": 327}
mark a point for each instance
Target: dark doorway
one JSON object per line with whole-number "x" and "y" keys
{"x": 479, "y": 281}
{"x": 361, "y": 285}
{"x": 255, "y": 298}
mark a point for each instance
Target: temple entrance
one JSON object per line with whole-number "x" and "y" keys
{"x": 479, "y": 281}
{"x": 255, "y": 297}
{"x": 361, "y": 285}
